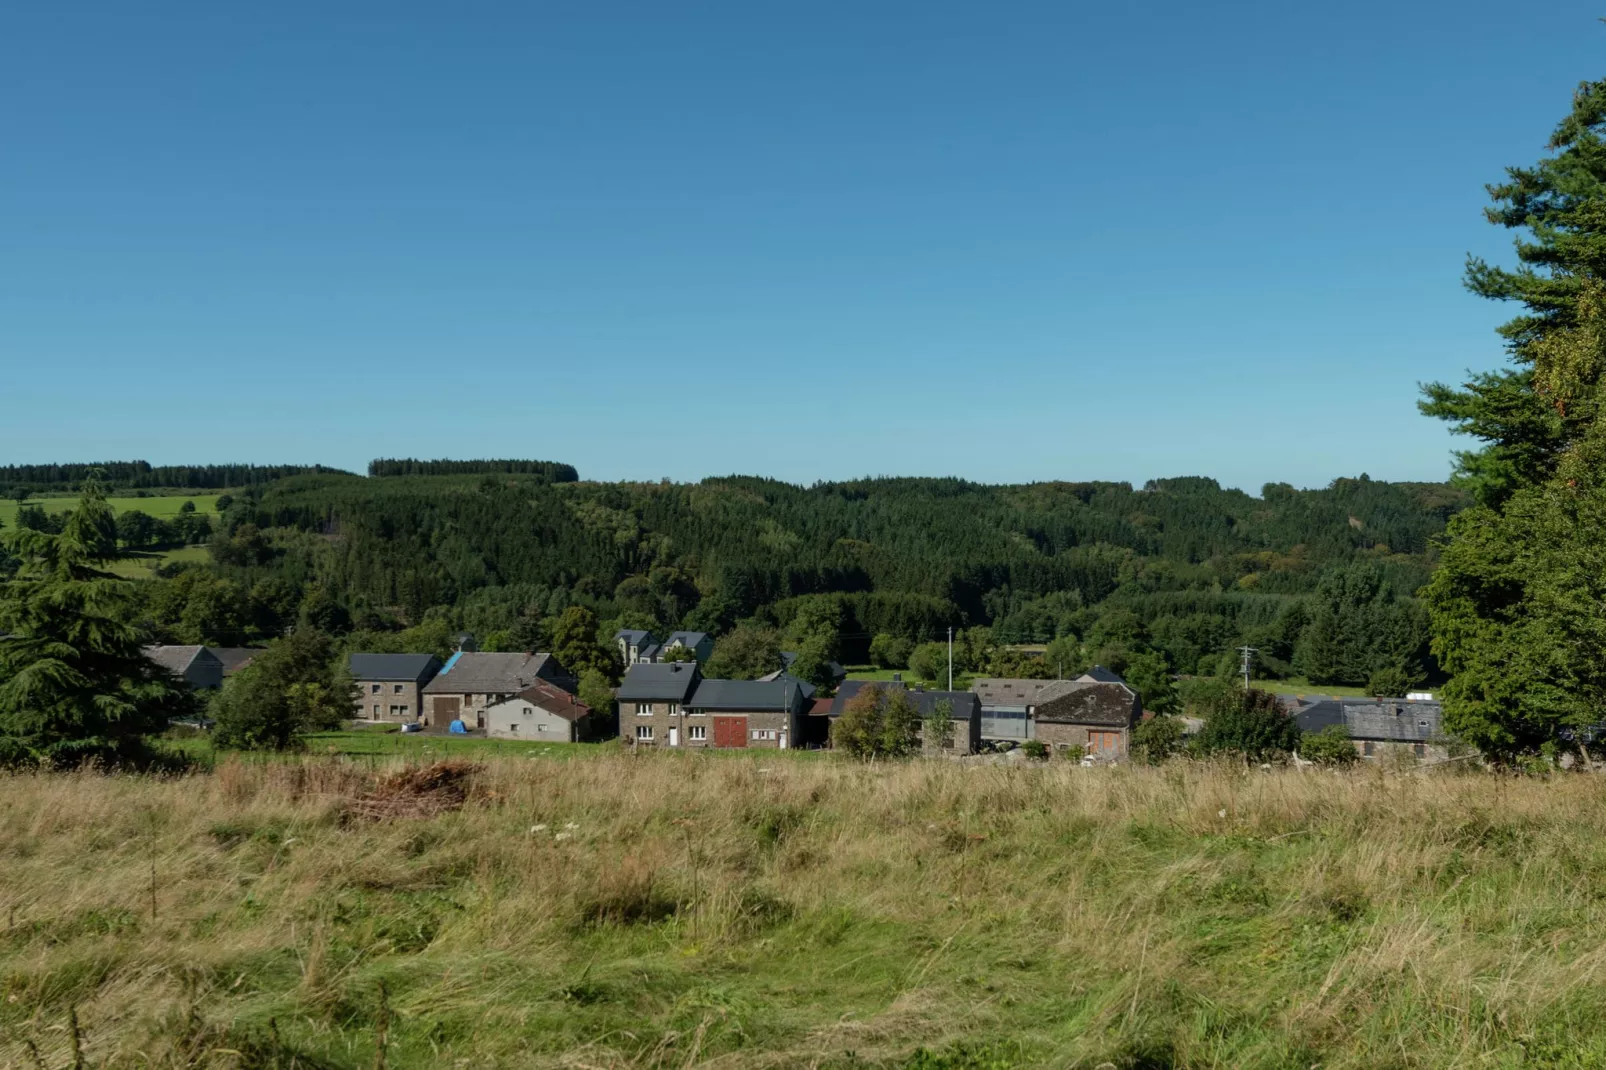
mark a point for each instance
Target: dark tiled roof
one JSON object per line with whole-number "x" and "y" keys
{"x": 966, "y": 704}
{"x": 782, "y": 694}
{"x": 632, "y": 635}
{"x": 412, "y": 667}
{"x": 689, "y": 640}
{"x": 1098, "y": 674}
{"x": 553, "y": 699}
{"x": 1319, "y": 715}
{"x": 669, "y": 682}
{"x": 235, "y": 658}
{"x": 1101, "y": 704}
{"x": 473, "y": 672}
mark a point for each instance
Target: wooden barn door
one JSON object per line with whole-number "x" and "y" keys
{"x": 730, "y": 731}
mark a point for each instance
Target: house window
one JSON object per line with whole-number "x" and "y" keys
{"x": 513, "y": 726}
{"x": 763, "y": 733}
{"x": 674, "y": 708}
{"x": 1423, "y": 724}
{"x": 396, "y": 689}
{"x": 644, "y": 731}
{"x": 1367, "y": 748}
{"x": 376, "y": 711}
{"x": 375, "y": 689}
{"x": 403, "y": 709}
{"x": 697, "y": 732}
{"x": 643, "y": 709}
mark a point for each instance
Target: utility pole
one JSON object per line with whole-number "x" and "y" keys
{"x": 1247, "y": 656}
{"x": 950, "y": 657}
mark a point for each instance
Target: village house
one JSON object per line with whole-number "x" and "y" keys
{"x": 471, "y": 681}
{"x": 965, "y": 711}
{"x": 671, "y": 704}
{"x": 1411, "y": 726}
{"x": 543, "y": 711}
{"x": 637, "y": 647}
{"x": 195, "y": 665}
{"x": 749, "y": 713}
{"x": 1095, "y": 711}
{"x": 390, "y": 687}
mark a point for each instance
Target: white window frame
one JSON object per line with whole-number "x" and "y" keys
{"x": 674, "y": 709}
{"x": 644, "y": 733}
{"x": 697, "y": 733}
{"x": 643, "y": 709}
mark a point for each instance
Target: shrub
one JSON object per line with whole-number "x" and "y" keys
{"x": 1255, "y": 726}
{"x": 1330, "y": 746}
{"x": 1388, "y": 683}
{"x": 1034, "y": 748}
{"x": 878, "y": 722}
{"x": 1155, "y": 740}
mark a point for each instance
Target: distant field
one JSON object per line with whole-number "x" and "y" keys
{"x": 163, "y": 507}
{"x": 140, "y": 566}
{"x": 1298, "y": 685}
{"x": 865, "y": 672}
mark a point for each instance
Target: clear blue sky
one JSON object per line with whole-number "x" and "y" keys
{"x": 1008, "y": 241}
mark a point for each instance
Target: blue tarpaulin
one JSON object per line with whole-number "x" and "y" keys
{"x": 459, "y": 728}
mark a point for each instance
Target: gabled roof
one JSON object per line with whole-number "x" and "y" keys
{"x": 787, "y": 693}
{"x": 668, "y": 682}
{"x": 632, "y": 636}
{"x": 1097, "y": 704}
{"x": 997, "y": 691}
{"x": 176, "y": 659}
{"x": 689, "y": 640}
{"x": 551, "y": 698}
{"x": 235, "y": 658}
{"x": 476, "y": 672}
{"x": 966, "y": 704}
{"x": 409, "y": 667}
{"x": 1098, "y": 674}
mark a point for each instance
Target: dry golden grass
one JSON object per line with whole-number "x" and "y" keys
{"x": 671, "y": 911}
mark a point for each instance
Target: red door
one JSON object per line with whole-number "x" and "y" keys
{"x": 730, "y": 731}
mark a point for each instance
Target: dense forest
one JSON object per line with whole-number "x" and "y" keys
{"x": 1161, "y": 580}
{"x": 22, "y": 480}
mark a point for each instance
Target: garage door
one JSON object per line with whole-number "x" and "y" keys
{"x": 730, "y": 731}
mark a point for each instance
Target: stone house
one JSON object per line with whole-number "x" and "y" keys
{"x": 652, "y": 705}
{"x": 1377, "y": 725}
{"x": 471, "y": 681}
{"x": 390, "y": 687}
{"x": 765, "y": 714}
{"x": 1098, "y": 717}
{"x": 965, "y": 737}
{"x": 543, "y": 711}
{"x": 195, "y": 665}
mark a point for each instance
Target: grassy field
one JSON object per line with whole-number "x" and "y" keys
{"x": 163, "y": 507}
{"x": 615, "y": 910}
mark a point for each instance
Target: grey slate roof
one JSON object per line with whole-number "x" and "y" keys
{"x": 398, "y": 667}
{"x": 477, "y": 672}
{"x": 1394, "y": 720}
{"x": 175, "y": 659}
{"x": 966, "y": 704}
{"x": 649, "y": 682}
{"x": 1319, "y": 715}
{"x": 632, "y": 636}
{"x": 689, "y": 640}
{"x": 1001, "y": 693}
{"x": 1100, "y": 704}
{"x": 785, "y": 693}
